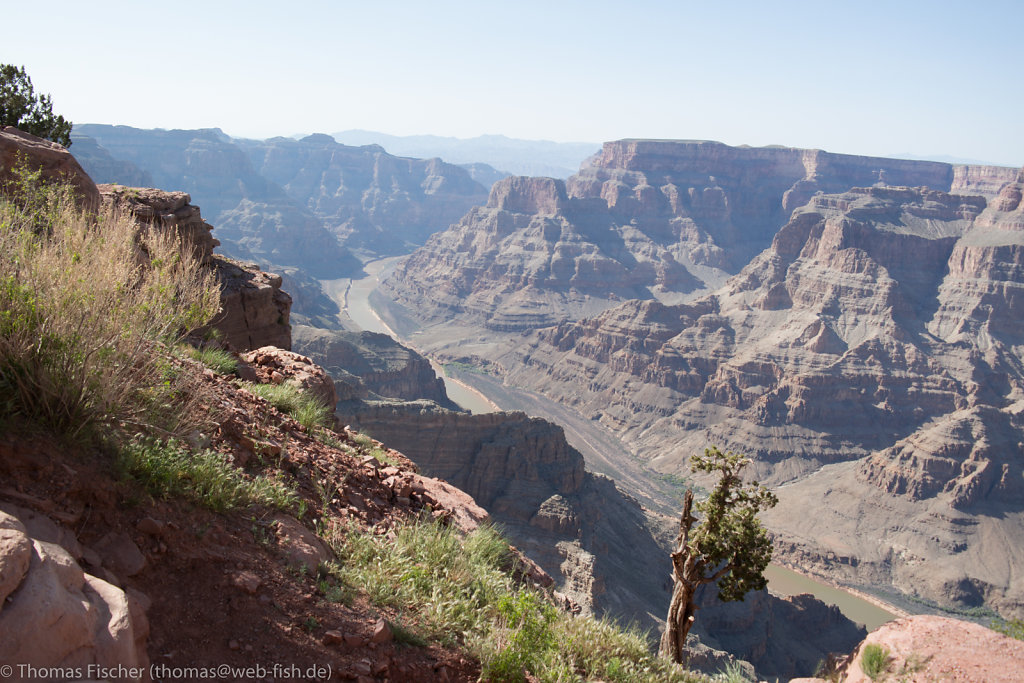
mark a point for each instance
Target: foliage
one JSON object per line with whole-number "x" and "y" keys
{"x": 1012, "y": 627}
{"x": 168, "y": 469}
{"x": 220, "y": 361}
{"x": 22, "y": 108}
{"x": 90, "y": 308}
{"x": 304, "y": 407}
{"x": 874, "y": 660}
{"x": 456, "y": 590}
{"x": 729, "y": 545}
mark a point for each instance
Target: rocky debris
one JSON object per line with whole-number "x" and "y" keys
{"x": 52, "y": 614}
{"x": 369, "y": 362}
{"x": 54, "y": 160}
{"x": 932, "y": 648}
{"x": 300, "y": 545}
{"x": 165, "y": 211}
{"x": 120, "y": 554}
{"x": 276, "y": 366}
{"x": 254, "y": 309}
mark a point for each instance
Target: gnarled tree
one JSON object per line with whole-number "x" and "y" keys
{"x": 729, "y": 545}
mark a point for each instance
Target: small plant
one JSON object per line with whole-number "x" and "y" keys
{"x": 732, "y": 673}
{"x": 306, "y": 409}
{"x": 168, "y": 469}
{"x": 874, "y": 660}
{"x": 1012, "y": 627}
{"x": 457, "y": 591}
{"x": 523, "y": 637}
{"x": 90, "y": 309}
{"x": 311, "y": 624}
{"x": 220, "y": 361}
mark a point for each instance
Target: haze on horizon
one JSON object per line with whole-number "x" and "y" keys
{"x": 926, "y": 79}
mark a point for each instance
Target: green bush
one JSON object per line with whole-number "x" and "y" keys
{"x": 874, "y": 660}
{"x": 167, "y": 469}
{"x": 90, "y": 307}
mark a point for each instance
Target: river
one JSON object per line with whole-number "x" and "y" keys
{"x": 602, "y": 452}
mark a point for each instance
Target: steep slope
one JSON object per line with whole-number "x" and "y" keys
{"x": 643, "y": 219}
{"x": 879, "y": 327}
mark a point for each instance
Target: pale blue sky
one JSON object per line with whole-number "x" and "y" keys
{"x": 925, "y": 78}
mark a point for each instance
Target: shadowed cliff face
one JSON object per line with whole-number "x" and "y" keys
{"x": 643, "y": 219}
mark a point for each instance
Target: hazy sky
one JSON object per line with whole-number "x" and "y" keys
{"x": 924, "y": 78}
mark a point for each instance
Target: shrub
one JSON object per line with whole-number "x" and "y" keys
{"x": 304, "y": 408}
{"x": 90, "y": 306}
{"x": 1012, "y": 627}
{"x": 208, "y": 478}
{"x": 874, "y": 660}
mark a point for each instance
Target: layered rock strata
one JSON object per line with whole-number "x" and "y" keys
{"x": 643, "y": 219}
{"x": 880, "y": 327}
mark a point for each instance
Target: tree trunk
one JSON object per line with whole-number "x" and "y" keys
{"x": 685, "y": 580}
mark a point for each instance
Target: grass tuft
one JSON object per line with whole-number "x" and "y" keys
{"x": 304, "y": 408}
{"x": 874, "y": 660}
{"x": 90, "y": 307}
{"x": 208, "y": 478}
{"x": 220, "y": 361}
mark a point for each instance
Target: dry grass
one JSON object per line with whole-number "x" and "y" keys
{"x": 90, "y": 306}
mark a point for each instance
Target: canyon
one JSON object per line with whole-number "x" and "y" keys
{"x": 849, "y": 322}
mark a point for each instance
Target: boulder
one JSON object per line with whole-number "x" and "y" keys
{"x": 55, "y": 162}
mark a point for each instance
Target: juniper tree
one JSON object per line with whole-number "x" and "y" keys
{"x": 22, "y": 108}
{"x": 729, "y": 545}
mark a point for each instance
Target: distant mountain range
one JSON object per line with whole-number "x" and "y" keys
{"x": 518, "y": 157}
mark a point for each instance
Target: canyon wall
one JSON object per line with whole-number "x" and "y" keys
{"x": 290, "y": 203}
{"x": 645, "y": 219}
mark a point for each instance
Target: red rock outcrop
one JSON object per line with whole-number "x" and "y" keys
{"x": 165, "y": 211}
{"x": 52, "y": 159}
{"x": 930, "y": 648}
{"x": 254, "y": 308}
{"x": 276, "y": 366}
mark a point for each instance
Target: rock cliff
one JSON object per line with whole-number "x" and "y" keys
{"x": 52, "y": 161}
{"x": 372, "y": 363}
{"x": 254, "y": 309}
{"x": 643, "y": 219}
{"x": 878, "y": 330}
